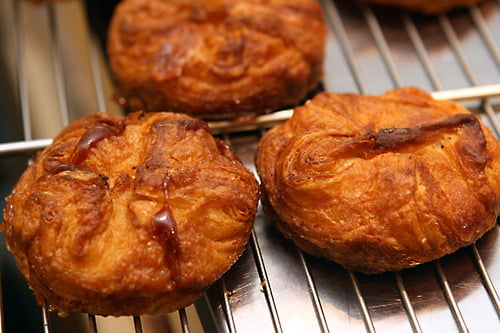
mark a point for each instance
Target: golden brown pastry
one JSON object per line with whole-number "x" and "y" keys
{"x": 380, "y": 183}
{"x": 427, "y": 6}
{"x": 216, "y": 59}
{"x": 129, "y": 215}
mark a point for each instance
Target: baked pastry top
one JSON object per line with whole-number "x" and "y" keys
{"x": 380, "y": 183}
{"x": 427, "y": 6}
{"x": 216, "y": 59}
{"x": 129, "y": 215}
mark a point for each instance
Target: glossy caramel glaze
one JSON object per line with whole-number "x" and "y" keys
{"x": 380, "y": 183}
{"x": 216, "y": 59}
{"x": 129, "y": 215}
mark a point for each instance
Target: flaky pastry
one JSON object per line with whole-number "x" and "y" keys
{"x": 380, "y": 183}
{"x": 216, "y": 59}
{"x": 129, "y": 215}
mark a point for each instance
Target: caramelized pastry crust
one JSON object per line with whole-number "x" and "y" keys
{"x": 427, "y": 6}
{"x": 380, "y": 183}
{"x": 216, "y": 59}
{"x": 129, "y": 215}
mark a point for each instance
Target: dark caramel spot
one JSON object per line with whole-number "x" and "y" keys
{"x": 393, "y": 138}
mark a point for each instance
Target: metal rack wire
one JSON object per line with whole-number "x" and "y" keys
{"x": 275, "y": 287}
{"x": 288, "y": 291}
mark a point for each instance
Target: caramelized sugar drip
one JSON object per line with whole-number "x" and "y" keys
{"x": 165, "y": 230}
{"x": 91, "y": 138}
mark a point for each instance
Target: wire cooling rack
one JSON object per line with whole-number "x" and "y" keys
{"x": 55, "y": 70}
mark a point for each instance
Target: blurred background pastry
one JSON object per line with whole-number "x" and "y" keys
{"x": 216, "y": 59}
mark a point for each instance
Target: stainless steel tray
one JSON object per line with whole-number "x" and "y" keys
{"x": 54, "y": 70}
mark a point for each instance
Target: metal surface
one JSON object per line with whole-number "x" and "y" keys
{"x": 54, "y": 72}
{"x": 275, "y": 287}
